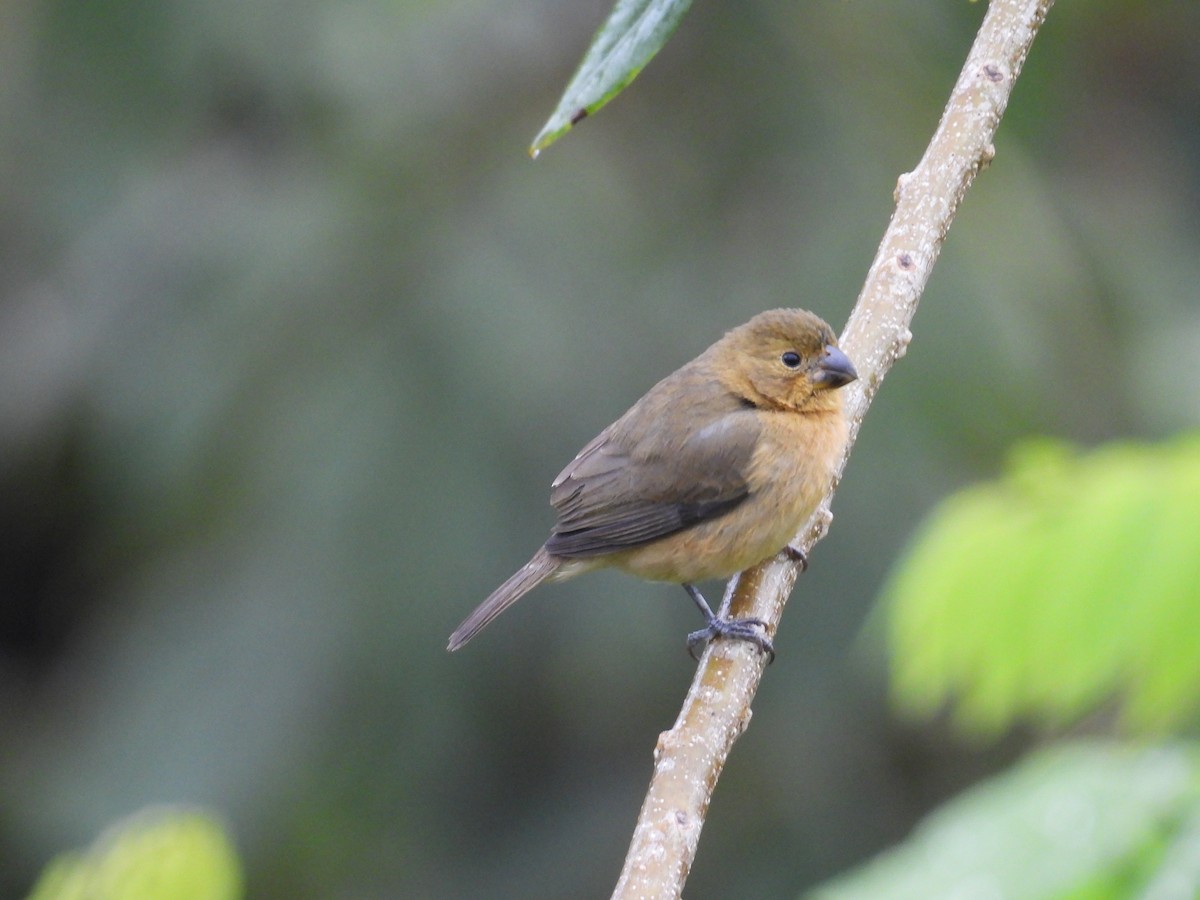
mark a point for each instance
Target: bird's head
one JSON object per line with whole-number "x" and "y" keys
{"x": 784, "y": 359}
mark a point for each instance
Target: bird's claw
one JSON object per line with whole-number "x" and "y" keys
{"x": 751, "y": 630}
{"x": 796, "y": 555}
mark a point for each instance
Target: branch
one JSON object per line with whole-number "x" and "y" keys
{"x": 689, "y": 757}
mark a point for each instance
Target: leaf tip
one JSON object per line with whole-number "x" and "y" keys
{"x": 547, "y": 136}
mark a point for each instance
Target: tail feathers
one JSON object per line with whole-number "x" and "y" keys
{"x": 529, "y": 576}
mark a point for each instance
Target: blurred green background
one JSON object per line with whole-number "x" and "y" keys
{"x": 293, "y": 337}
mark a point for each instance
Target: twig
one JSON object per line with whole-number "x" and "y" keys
{"x": 690, "y": 756}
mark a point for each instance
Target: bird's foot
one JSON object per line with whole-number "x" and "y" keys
{"x": 751, "y": 630}
{"x": 796, "y": 555}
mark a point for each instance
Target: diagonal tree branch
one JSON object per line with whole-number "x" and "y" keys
{"x": 689, "y": 757}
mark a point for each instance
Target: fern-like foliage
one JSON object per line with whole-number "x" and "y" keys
{"x": 1072, "y": 582}
{"x": 1081, "y": 821}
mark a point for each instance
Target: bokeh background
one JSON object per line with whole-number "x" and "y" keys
{"x": 293, "y": 337}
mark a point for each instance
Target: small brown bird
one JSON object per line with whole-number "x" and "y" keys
{"x": 711, "y": 472}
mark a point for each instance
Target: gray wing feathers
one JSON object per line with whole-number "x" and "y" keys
{"x": 618, "y": 493}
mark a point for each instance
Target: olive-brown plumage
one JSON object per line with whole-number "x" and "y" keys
{"x": 714, "y": 470}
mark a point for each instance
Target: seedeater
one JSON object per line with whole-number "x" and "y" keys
{"x": 714, "y": 470}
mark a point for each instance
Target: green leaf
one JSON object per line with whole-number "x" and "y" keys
{"x": 634, "y": 32}
{"x": 1072, "y": 582}
{"x": 1086, "y": 820}
{"x": 155, "y": 854}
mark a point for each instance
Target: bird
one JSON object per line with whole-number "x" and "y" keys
{"x": 714, "y": 470}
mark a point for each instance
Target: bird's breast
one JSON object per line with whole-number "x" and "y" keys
{"x": 789, "y": 472}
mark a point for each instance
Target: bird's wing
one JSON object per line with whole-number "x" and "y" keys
{"x": 620, "y": 492}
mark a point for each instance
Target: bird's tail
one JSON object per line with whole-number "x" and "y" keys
{"x": 529, "y": 576}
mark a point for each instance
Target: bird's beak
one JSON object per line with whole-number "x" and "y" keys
{"x": 834, "y": 370}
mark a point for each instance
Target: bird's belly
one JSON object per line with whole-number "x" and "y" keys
{"x": 757, "y": 529}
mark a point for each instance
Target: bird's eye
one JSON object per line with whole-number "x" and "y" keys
{"x": 790, "y": 358}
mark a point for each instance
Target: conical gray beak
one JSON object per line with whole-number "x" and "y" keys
{"x": 834, "y": 370}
